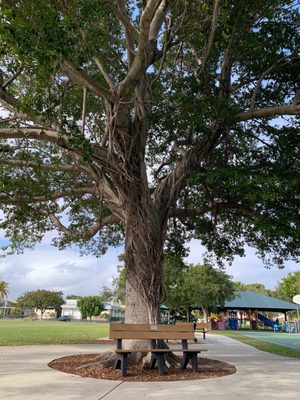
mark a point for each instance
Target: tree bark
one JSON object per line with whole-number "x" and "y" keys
{"x": 143, "y": 263}
{"x": 205, "y": 314}
{"x": 144, "y": 239}
{"x": 136, "y": 311}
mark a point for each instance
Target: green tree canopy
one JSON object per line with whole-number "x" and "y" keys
{"x": 151, "y": 123}
{"x": 119, "y": 282}
{"x": 253, "y": 287}
{"x": 174, "y": 270}
{"x": 90, "y": 306}
{"x": 206, "y": 287}
{"x": 41, "y": 299}
{"x": 289, "y": 286}
{"x": 73, "y": 297}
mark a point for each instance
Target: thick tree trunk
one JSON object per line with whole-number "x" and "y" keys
{"x": 205, "y": 314}
{"x": 145, "y": 224}
{"x": 144, "y": 238}
{"x": 136, "y": 311}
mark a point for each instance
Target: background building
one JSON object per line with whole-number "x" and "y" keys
{"x": 113, "y": 310}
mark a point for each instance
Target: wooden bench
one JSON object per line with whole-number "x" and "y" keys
{"x": 155, "y": 334}
{"x": 202, "y": 327}
{"x": 198, "y": 327}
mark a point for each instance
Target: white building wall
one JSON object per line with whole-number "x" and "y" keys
{"x": 112, "y": 308}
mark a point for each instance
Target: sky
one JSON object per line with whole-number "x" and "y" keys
{"x": 46, "y": 267}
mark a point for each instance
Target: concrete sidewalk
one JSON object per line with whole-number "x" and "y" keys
{"x": 24, "y": 375}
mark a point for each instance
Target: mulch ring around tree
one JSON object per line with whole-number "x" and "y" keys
{"x": 73, "y": 365}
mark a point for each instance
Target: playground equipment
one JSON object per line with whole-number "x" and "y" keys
{"x": 233, "y": 320}
{"x": 269, "y": 323}
{"x": 266, "y": 321}
{"x": 292, "y": 326}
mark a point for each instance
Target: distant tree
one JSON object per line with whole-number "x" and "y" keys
{"x": 3, "y": 290}
{"x": 106, "y": 293}
{"x": 119, "y": 284}
{"x": 41, "y": 299}
{"x": 73, "y": 297}
{"x": 252, "y": 287}
{"x": 239, "y": 286}
{"x": 289, "y": 286}
{"x": 90, "y": 306}
{"x": 207, "y": 287}
{"x": 174, "y": 270}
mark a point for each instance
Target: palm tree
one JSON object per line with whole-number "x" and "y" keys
{"x": 3, "y": 290}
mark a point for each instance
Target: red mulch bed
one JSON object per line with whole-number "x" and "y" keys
{"x": 207, "y": 369}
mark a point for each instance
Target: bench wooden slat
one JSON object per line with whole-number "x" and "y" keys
{"x": 199, "y": 325}
{"x": 202, "y": 325}
{"x": 128, "y": 351}
{"x": 150, "y": 335}
{"x": 153, "y": 328}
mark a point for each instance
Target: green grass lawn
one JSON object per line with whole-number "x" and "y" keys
{"x": 260, "y": 345}
{"x": 20, "y": 332}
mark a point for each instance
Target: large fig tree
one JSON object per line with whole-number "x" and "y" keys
{"x": 151, "y": 122}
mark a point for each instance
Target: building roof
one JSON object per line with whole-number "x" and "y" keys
{"x": 164, "y": 307}
{"x": 257, "y": 301}
{"x": 7, "y": 303}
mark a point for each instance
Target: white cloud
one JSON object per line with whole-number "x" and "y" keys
{"x": 248, "y": 269}
{"x": 51, "y": 269}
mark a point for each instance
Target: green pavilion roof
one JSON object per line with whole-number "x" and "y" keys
{"x": 163, "y": 307}
{"x": 257, "y": 301}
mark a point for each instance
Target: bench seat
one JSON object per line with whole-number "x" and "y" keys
{"x": 159, "y": 350}
{"x": 201, "y": 327}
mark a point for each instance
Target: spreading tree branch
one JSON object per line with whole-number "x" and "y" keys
{"x": 120, "y": 11}
{"x": 145, "y": 48}
{"x": 213, "y": 27}
{"x": 84, "y": 109}
{"x": 262, "y": 77}
{"x": 103, "y": 72}
{"x": 33, "y": 164}
{"x": 82, "y": 79}
{"x": 13, "y": 77}
{"x": 269, "y": 112}
{"x": 50, "y": 197}
{"x": 35, "y": 133}
{"x": 215, "y": 208}
{"x": 85, "y": 235}
{"x": 10, "y": 103}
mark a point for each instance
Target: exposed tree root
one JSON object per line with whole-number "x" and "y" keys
{"x": 207, "y": 369}
{"x": 103, "y": 360}
{"x": 107, "y": 360}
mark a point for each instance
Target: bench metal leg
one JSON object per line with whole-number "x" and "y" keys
{"x": 160, "y": 358}
{"x": 194, "y": 361}
{"x": 152, "y": 361}
{"x": 122, "y": 363}
{"x": 161, "y": 364}
{"x": 184, "y": 361}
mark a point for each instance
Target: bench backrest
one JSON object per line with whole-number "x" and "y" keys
{"x": 148, "y": 332}
{"x": 202, "y": 325}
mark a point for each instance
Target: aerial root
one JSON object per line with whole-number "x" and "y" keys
{"x": 107, "y": 360}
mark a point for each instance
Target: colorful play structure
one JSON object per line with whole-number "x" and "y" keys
{"x": 245, "y": 310}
